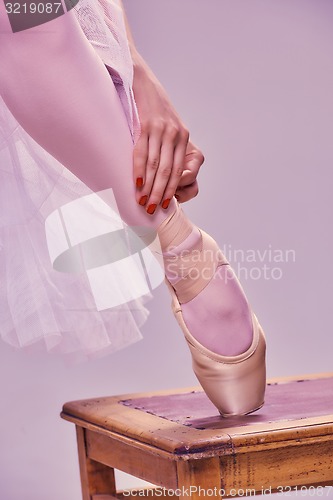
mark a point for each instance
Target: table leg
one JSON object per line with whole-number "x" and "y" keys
{"x": 96, "y": 479}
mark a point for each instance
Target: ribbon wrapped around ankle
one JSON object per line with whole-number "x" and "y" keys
{"x": 174, "y": 229}
{"x": 196, "y": 267}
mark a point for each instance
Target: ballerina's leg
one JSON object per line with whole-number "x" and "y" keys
{"x": 60, "y": 92}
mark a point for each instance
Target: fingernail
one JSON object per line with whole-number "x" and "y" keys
{"x": 165, "y": 203}
{"x": 139, "y": 182}
{"x": 151, "y": 209}
{"x": 143, "y": 200}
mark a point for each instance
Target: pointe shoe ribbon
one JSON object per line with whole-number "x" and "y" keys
{"x": 195, "y": 268}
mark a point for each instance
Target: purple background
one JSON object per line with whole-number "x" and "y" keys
{"x": 253, "y": 81}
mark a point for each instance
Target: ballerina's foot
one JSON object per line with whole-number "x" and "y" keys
{"x": 226, "y": 341}
{"x": 218, "y": 317}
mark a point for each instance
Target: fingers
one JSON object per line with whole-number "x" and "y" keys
{"x": 169, "y": 173}
{"x": 188, "y": 186}
{"x": 188, "y": 176}
{"x": 193, "y": 162}
{"x": 158, "y": 175}
{"x": 166, "y": 164}
{"x": 186, "y": 193}
{"x": 159, "y": 161}
{"x": 151, "y": 167}
{"x": 140, "y": 156}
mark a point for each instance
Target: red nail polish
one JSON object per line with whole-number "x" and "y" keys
{"x": 139, "y": 182}
{"x": 143, "y": 200}
{"x": 151, "y": 209}
{"x": 165, "y": 203}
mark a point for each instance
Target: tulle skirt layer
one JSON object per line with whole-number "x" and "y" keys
{"x": 61, "y": 309}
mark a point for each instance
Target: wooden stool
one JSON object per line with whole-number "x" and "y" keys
{"x": 177, "y": 440}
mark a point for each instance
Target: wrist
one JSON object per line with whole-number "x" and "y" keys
{"x": 137, "y": 59}
{"x": 141, "y": 70}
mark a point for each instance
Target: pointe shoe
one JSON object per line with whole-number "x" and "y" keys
{"x": 235, "y": 384}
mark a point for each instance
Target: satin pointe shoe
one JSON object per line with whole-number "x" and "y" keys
{"x": 235, "y": 384}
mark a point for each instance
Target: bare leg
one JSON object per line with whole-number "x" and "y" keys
{"x": 61, "y": 93}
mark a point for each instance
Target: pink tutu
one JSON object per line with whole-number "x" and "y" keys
{"x": 40, "y": 305}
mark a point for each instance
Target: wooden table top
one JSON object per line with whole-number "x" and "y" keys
{"x": 183, "y": 421}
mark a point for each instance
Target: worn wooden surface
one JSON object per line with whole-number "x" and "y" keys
{"x": 176, "y": 438}
{"x": 276, "y": 424}
{"x": 292, "y": 401}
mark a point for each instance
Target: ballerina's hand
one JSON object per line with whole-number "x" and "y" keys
{"x": 165, "y": 162}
